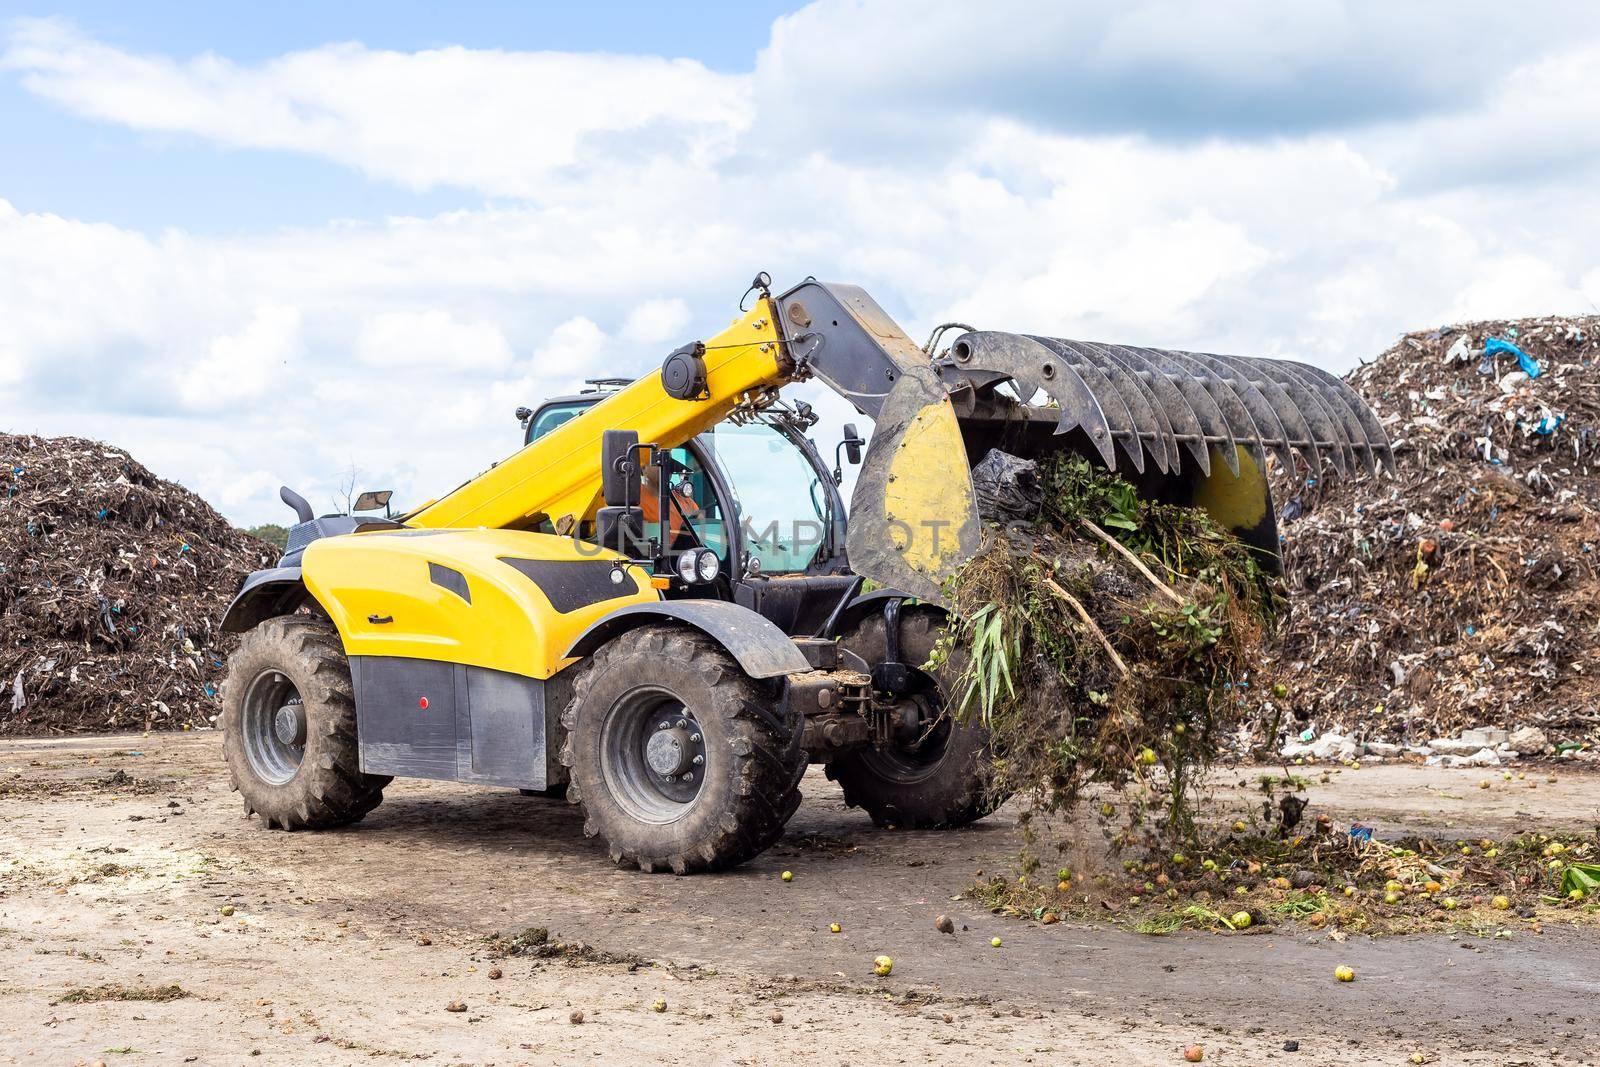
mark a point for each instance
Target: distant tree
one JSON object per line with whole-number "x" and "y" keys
{"x": 344, "y": 500}
{"x": 271, "y": 533}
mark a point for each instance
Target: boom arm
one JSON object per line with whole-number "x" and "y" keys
{"x": 558, "y": 476}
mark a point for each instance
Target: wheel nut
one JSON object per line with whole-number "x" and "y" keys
{"x": 698, "y": 760}
{"x": 683, "y": 723}
{"x": 688, "y": 776}
{"x": 694, "y": 737}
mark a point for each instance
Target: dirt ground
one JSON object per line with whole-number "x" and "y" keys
{"x": 119, "y": 854}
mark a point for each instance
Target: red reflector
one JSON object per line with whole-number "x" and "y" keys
{"x": 423, "y": 703}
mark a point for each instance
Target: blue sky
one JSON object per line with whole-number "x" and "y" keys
{"x": 260, "y": 244}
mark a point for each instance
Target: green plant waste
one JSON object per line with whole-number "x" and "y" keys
{"x": 1127, "y": 665}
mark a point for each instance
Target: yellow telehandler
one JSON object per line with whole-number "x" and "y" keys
{"x": 618, "y": 611}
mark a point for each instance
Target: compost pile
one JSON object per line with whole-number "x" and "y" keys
{"x": 1463, "y": 591}
{"x": 111, "y": 585}
{"x": 1106, "y": 639}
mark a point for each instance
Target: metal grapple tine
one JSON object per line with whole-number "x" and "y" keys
{"x": 1147, "y": 426}
{"x": 1265, "y": 413}
{"x": 1318, "y": 406}
{"x": 1361, "y": 448}
{"x": 1187, "y": 428}
{"x": 1241, "y": 424}
{"x": 1326, "y": 434}
{"x": 1163, "y": 443}
{"x": 1034, "y": 367}
{"x": 1124, "y": 430}
{"x": 1297, "y": 431}
{"x": 1377, "y": 440}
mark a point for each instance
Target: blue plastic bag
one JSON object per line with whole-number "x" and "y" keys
{"x": 1494, "y": 346}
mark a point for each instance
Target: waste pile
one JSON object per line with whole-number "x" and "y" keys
{"x": 1106, "y": 638}
{"x": 112, "y": 582}
{"x": 1461, "y": 593}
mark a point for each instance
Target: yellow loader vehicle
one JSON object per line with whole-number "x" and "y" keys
{"x": 658, "y": 603}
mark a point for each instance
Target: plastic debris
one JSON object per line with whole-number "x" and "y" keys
{"x": 1494, "y": 346}
{"x": 1462, "y": 592}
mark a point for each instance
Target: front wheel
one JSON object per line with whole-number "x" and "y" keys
{"x": 934, "y": 778}
{"x": 289, "y": 727}
{"x": 678, "y": 759}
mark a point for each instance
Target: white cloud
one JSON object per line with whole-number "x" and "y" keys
{"x": 643, "y": 194}
{"x": 432, "y": 339}
{"x": 242, "y": 367}
{"x": 656, "y": 321}
{"x": 501, "y": 122}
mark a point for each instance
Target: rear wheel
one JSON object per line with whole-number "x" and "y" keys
{"x": 289, "y": 727}
{"x": 932, "y": 777}
{"x": 677, "y": 758}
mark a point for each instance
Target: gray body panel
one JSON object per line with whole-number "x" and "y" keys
{"x": 762, "y": 649}
{"x": 481, "y": 726}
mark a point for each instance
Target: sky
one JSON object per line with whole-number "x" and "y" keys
{"x": 266, "y": 244}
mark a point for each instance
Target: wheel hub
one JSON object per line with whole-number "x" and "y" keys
{"x": 669, "y": 752}
{"x": 289, "y": 724}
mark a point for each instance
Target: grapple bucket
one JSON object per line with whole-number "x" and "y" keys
{"x": 1189, "y": 428}
{"x": 1186, "y": 427}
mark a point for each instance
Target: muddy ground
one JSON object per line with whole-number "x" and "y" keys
{"x": 119, "y": 854}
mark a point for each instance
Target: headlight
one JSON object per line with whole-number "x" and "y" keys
{"x": 707, "y": 566}
{"x": 698, "y": 566}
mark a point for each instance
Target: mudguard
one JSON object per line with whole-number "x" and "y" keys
{"x": 265, "y": 593}
{"x": 761, "y": 648}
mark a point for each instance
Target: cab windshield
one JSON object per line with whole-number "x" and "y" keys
{"x": 782, "y": 505}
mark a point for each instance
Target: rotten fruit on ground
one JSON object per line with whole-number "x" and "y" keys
{"x": 1194, "y": 1053}
{"x": 576, "y": 1018}
{"x": 1501, "y": 903}
{"x": 494, "y": 974}
{"x": 882, "y": 966}
{"x": 1240, "y": 920}
{"x": 1344, "y": 974}
{"x": 787, "y": 876}
{"x": 944, "y": 925}
{"x": 994, "y": 942}
{"x": 456, "y": 1006}
{"x": 659, "y": 1006}
{"x": 834, "y": 928}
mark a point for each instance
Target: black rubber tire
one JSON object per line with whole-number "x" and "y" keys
{"x": 950, "y": 790}
{"x": 754, "y": 753}
{"x": 328, "y": 788}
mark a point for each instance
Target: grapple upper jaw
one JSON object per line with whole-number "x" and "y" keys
{"x": 1166, "y": 418}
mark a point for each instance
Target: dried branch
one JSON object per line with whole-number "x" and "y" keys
{"x": 1162, "y": 587}
{"x": 1050, "y": 584}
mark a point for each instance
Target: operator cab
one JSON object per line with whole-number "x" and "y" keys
{"x": 756, "y": 491}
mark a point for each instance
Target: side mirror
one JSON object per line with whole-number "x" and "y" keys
{"x": 372, "y": 501}
{"x": 619, "y": 467}
{"x": 852, "y": 444}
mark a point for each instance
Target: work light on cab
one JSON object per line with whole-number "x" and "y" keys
{"x": 698, "y": 566}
